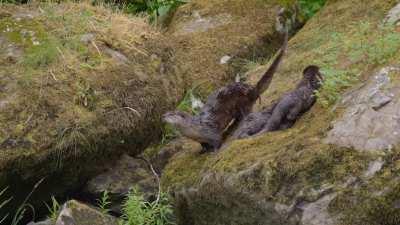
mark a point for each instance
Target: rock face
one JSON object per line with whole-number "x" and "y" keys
{"x": 393, "y": 16}
{"x": 76, "y": 213}
{"x": 372, "y": 117}
{"x": 231, "y": 198}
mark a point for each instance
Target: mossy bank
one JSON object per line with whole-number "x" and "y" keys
{"x": 282, "y": 177}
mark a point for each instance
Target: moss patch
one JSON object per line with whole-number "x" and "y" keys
{"x": 375, "y": 202}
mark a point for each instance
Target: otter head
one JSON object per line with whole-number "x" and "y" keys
{"x": 186, "y": 125}
{"x": 313, "y": 75}
{"x": 176, "y": 118}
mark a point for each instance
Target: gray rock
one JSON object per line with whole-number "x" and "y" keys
{"x": 393, "y": 16}
{"x": 125, "y": 174}
{"x": 117, "y": 56}
{"x": 163, "y": 156}
{"x": 371, "y": 121}
{"x": 373, "y": 168}
{"x": 87, "y": 38}
{"x": 316, "y": 213}
{"x": 9, "y": 52}
{"x": 45, "y": 222}
{"x": 230, "y": 199}
{"x": 225, "y": 59}
{"x": 199, "y": 23}
{"x": 76, "y": 213}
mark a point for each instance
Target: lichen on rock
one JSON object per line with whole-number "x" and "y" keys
{"x": 371, "y": 120}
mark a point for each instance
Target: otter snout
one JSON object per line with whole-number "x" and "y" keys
{"x": 168, "y": 117}
{"x": 174, "y": 117}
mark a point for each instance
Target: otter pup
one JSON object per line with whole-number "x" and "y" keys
{"x": 230, "y": 103}
{"x": 290, "y": 107}
{"x": 255, "y": 122}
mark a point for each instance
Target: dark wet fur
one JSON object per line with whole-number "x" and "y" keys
{"x": 255, "y": 122}
{"x": 290, "y": 107}
{"x": 230, "y": 103}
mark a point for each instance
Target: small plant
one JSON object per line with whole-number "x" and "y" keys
{"x": 136, "y": 211}
{"x": 53, "y": 209}
{"x": 2, "y": 204}
{"x": 334, "y": 82}
{"x": 156, "y": 9}
{"x": 368, "y": 44}
{"x": 21, "y": 210}
{"x": 304, "y": 8}
{"x": 69, "y": 140}
{"x": 104, "y": 202}
{"x": 308, "y": 8}
{"x": 85, "y": 95}
{"x": 190, "y": 103}
{"x": 41, "y": 54}
{"x": 168, "y": 133}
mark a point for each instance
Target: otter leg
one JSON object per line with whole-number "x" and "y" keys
{"x": 205, "y": 147}
{"x": 276, "y": 119}
{"x": 209, "y": 147}
{"x": 294, "y": 112}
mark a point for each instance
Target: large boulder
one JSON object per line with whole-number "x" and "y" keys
{"x": 294, "y": 176}
{"x": 125, "y": 174}
{"x": 372, "y": 117}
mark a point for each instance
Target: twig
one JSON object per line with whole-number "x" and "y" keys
{"x": 133, "y": 110}
{"x": 97, "y": 48}
{"x": 129, "y": 108}
{"x": 155, "y": 175}
{"x": 52, "y": 74}
{"x": 29, "y": 119}
{"x": 61, "y": 53}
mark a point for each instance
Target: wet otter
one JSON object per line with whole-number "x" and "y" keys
{"x": 230, "y": 103}
{"x": 283, "y": 113}
{"x": 290, "y": 107}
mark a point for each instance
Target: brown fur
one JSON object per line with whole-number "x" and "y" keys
{"x": 230, "y": 103}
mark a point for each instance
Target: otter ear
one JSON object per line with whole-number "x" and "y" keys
{"x": 312, "y": 69}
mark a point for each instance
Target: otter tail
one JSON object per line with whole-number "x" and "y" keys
{"x": 266, "y": 79}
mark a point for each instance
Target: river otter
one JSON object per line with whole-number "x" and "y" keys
{"x": 283, "y": 113}
{"x": 224, "y": 106}
{"x": 290, "y": 107}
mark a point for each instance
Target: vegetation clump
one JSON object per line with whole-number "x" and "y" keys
{"x": 157, "y": 10}
{"x": 136, "y": 211}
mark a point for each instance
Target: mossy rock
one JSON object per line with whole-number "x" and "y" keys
{"x": 297, "y": 165}
{"x": 68, "y": 101}
{"x": 74, "y": 212}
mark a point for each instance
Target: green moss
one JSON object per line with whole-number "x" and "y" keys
{"x": 23, "y": 32}
{"x": 185, "y": 168}
{"x": 42, "y": 54}
{"x": 375, "y": 202}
